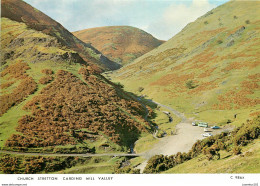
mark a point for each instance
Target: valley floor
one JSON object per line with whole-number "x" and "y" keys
{"x": 186, "y": 135}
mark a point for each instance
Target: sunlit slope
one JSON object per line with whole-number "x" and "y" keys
{"x": 121, "y": 44}
{"x": 210, "y": 70}
{"x": 51, "y": 101}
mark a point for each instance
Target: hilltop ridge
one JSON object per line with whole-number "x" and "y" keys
{"x": 121, "y": 44}
{"x": 20, "y": 11}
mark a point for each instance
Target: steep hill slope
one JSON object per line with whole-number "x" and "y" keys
{"x": 122, "y": 44}
{"x": 210, "y": 70}
{"x": 53, "y": 101}
{"x": 20, "y": 11}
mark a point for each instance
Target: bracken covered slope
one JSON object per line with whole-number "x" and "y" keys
{"x": 20, "y": 11}
{"x": 51, "y": 100}
{"x": 210, "y": 70}
{"x": 121, "y": 44}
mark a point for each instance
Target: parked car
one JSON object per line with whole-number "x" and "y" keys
{"x": 215, "y": 127}
{"x": 207, "y": 129}
{"x": 207, "y": 135}
{"x": 194, "y": 124}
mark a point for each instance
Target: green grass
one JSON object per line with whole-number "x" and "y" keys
{"x": 97, "y": 165}
{"x": 136, "y": 161}
{"x": 9, "y": 120}
{"x": 228, "y": 163}
{"x": 162, "y": 120}
{"x": 145, "y": 142}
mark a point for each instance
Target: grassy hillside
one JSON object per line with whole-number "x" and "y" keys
{"x": 248, "y": 162}
{"x": 51, "y": 101}
{"x": 20, "y": 11}
{"x": 121, "y": 44}
{"x": 210, "y": 70}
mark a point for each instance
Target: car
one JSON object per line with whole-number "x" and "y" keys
{"x": 215, "y": 127}
{"x": 207, "y": 129}
{"x": 194, "y": 124}
{"x": 207, "y": 135}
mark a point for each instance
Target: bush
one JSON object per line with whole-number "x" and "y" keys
{"x": 67, "y": 104}
{"x": 83, "y": 71}
{"x": 9, "y": 165}
{"x": 211, "y": 152}
{"x": 236, "y": 150}
{"x": 140, "y": 89}
{"x": 235, "y": 17}
{"x": 6, "y": 85}
{"x": 119, "y": 85}
{"x": 247, "y": 22}
{"x": 247, "y": 132}
{"x": 220, "y": 42}
{"x": 126, "y": 170}
{"x": 190, "y": 84}
{"x": 47, "y": 71}
{"x": 24, "y": 89}
{"x": 45, "y": 80}
{"x": 206, "y": 22}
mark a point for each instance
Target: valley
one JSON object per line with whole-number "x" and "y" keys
{"x": 117, "y": 100}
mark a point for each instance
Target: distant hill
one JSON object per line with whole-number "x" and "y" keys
{"x": 209, "y": 70}
{"x": 121, "y": 44}
{"x": 20, "y": 11}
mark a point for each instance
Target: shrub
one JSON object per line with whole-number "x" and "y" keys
{"x": 206, "y": 22}
{"x": 247, "y": 21}
{"x": 236, "y": 150}
{"x": 45, "y": 80}
{"x": 67, "y": 104}
{"x": 247, "y": 132}
{"x": 83, "y": 71}
{"x": 126, "y": 170}
{"x": 34, "y": 165}
{"x": 190, "y": 84}
{"x": 47, "y": 71}
{"x": 9, "y": 165}
{"x": 24, "y": 89}
{"x": 140, "y": 89}
{"x": 220, "y": 42}
{"x": 94, "y": 69}
{"x": 211, "y": 152}
{"x": 235, "y": 17}
{"x": 6, "y": 85}
{"x": 119, "y": 85}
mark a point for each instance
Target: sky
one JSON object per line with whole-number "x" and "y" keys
{"x": 161, "y": 18}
